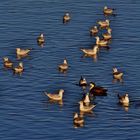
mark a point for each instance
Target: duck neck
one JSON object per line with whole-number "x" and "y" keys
{"x": 65, "y": 61}
{"x": 127, "y": 99}
{"x": 97, "y": 40}
{"x": 75, "y": 115}
{"x": 81, "y": 105}
{"x": 61, "y": 94}
{"x": 91, "y": 87}
{"x": 87, "y": 100}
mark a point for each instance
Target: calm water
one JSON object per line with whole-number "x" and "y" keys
{"x": 25, "y": 112}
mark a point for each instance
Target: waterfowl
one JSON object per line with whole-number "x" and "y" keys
{"x": 97, "y": 90}
{"x": 82, "y": 82}
{"x": 56, "y": 97}
{"x": 64, "y": 66}
{"x": 7, "y": 63}
{"x": 124, "y": 100}
{"x": 94, "y": 30}
{"x": 41, "y": 39}
{"x": 66, "y": 17}
{"x": 104, "y": 24}
{"x": 116, "y": 74}
{"x": 86, "y": 99}
{"x": 22, "y": 52}
{"x": 102, "y": 43}
{"x": 108, "y": 35}
{"x": 91, "y": 52}
{"x": 108, "y": 11}
{"x": 78, "y": 120}
{"x": 19, "y": 68}
{"x": 84, "y": 108}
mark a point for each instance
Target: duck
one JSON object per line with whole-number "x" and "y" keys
{"x": 117, "y": 74}
{"x": 94, "y": 30}
{"x": 102, "y": 43}
{"x": 64, "y": 66}
{"x": 41, "y": 39}
{"x": 108, "y": 11}
{"x": 66, "y": 17}
{"x": 78, "y": 120}
{"x": 107, "y": 36}
{"x": 104, "y": 24}
{"x": 82, "y": 82}
{"x": 97, "y": 90}
{"x": 84, "y": 108}
{"x": 7, "y": 63}
{"x": 91, "y": 52}
{"x": 56, "y": 96}
{"x": 22, "y": 52}
{"x": 124, "y": 99}
{"x": 19, "y": 68}
{"x": 86, "y": 99}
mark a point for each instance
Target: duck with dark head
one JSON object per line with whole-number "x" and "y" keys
{"x": 97, "y": 90}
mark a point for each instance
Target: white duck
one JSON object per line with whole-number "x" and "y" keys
{"x": 84, "y": 108}
{"x": 91, "y": 52}
{"x": 56, "y": 97}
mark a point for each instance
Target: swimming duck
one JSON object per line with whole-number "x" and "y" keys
{"x": 108, "y": 35}
{"x": 104, "y": 24}
{"x": 7, "y": 63}
{"x": 91, "y": 52}
{"x": 41, "y": 39}
{"x": 116, "y": 74}
{"x": 97, "y": 90}
{"x": 86, "y": 99}
{"x": 56, "y": 97}
{"x": 82, "y": 82}
{"x": 94, "y": 30}
{"x": 22, "y": 52}
{"x": 102, "y": 43}
{"x": 78, "y": 120}
{"x": 64, "y": 66}
{"x": 108, "y": 11}
{"x": 66, "y": 17}
{"x": 84, "y": 108}
{"x": 19, "y": 68}
{"x": 124, "y": 100}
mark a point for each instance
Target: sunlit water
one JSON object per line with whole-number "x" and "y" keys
{"x": 25, "y": 112}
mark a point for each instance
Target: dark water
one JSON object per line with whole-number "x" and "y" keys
{"x": 24, "y": 110}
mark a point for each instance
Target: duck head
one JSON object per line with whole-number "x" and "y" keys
{"x": 65, "y": 61}
{"x": 21, "y": 64}
{"x": 92, "y": 85}
{"x": 75, "y": 115}
{"x": 105, "y": 7}
{"x": 17, "y": 49}
{"x": 115, "y": 70}
{"x": 109, "y": 30}
{"x": 41, "y": 35}
{"x": 67, "y": 14}
{"x": 61, "y": 91}
{"x": 5, "y": 59}
{"x": 107, "y": 21}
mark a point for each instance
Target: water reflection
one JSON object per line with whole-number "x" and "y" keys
{"x": 56, "y": 102}
{"x": 94, "y": 57}
{"x": 117, "y": 80}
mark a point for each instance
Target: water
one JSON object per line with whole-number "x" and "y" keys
{"x": 25, "y": 110}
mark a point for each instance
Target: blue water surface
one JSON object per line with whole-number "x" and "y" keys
{"x": 25, "y": 112}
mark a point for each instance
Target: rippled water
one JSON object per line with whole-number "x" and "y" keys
{"x": 25, "y": 112}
